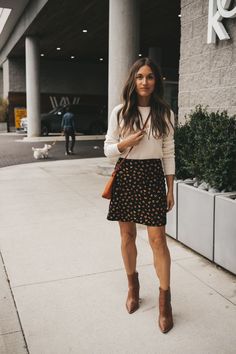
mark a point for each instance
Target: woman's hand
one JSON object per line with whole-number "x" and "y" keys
{"x": 170, "y": 200}
{"x": 132, "y": 140}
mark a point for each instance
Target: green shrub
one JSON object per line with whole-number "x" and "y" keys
{"x": 210, "y": 154}
{"x": 184, "y": 151}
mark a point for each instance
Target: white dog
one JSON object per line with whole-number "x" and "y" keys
{"x": 41, "y": 153}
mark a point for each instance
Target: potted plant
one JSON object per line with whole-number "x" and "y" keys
{"x": 210, "y": 157}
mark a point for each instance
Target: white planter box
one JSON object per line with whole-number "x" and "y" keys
{"x": 196, "y": 219}
{"x": 171, "y": 226}
{"x": 225, "y": 232}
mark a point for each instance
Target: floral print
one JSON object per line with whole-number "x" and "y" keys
{"x": 139, "y": 193}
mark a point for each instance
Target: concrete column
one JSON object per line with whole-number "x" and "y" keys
{"x": 32, "y": 86}
{"x": 123, "y": 45}
{"x": 6, "y": 78}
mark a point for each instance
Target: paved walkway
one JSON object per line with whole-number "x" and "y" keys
{"x": 67, "y": 282}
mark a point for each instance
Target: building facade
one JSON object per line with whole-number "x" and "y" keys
{"x": 207, "y": 71}
{"x": 52, "y": 52}
{"x": 52, "y": 55}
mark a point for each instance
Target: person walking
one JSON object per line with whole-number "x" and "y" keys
{"x": 68, "y": 128}
{"x": 143, "y": 127}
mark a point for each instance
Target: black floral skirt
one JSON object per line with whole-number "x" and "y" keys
{"x": 139, "y": 193}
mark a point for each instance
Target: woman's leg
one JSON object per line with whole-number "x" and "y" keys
{"x": 128, "y": 245}
{"x": 129, "y": 254}
{"x": 161, "y": 254}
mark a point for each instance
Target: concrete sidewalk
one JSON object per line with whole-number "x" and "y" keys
{"x": 67, "y": 283}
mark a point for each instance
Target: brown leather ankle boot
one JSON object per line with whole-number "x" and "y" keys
{"x": 132, "y": 302}
{"x": 165, "y": 311}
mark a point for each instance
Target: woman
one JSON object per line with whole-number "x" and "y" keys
{"x": 139, "y": 194}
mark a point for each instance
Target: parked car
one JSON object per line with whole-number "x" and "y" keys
{"x": 89, "y": 119}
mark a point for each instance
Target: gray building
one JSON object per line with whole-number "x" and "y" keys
{"x": 56, "y": 52}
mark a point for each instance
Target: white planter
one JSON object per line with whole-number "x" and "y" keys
{"x": 225, "y": 232}
{"x": 171, "y": 226}
{"x": 196, "y": 219}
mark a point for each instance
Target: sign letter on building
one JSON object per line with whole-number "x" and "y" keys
{"x": 218, "y": 9}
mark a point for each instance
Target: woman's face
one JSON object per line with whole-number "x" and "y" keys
{"x": 145, "y": 82}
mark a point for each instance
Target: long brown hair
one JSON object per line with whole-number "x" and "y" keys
{"x": 129, "y": 114}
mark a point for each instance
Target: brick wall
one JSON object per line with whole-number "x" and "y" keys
{"x": 62, "y": 77}
{"x": 207, "y": 71}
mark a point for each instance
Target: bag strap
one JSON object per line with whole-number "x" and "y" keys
{"x": 144, "y": 126}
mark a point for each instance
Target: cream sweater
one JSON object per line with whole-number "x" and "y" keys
{"x": 147, "y": 148}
